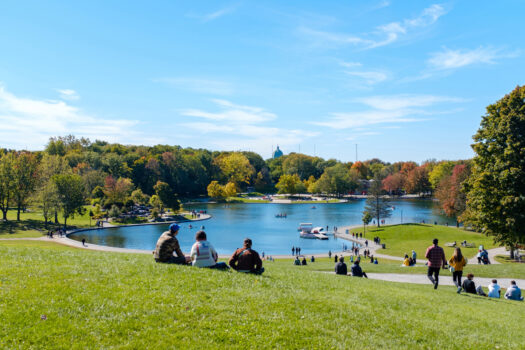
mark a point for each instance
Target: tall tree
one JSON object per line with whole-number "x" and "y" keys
{"x": 167, "y": 196}
{"x": 496, "y": 188}
{"x": 70, "y": 191}
{"x": 450, "y": 191}
{"x": 25, "y": 178}
{"x": 7, "y": 184}
{"x": 417, "y": 181}
{"x": 47, "y": 195}
{"x": 290, "y": 184}
{"x": 377, "y": 204}
{"x": 236, "y": 168}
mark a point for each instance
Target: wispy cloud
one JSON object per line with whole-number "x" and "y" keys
{"x": 200, "y": 85}
{"x": 214, "y": 15}
{"x": 451, "y": 59}
{"x": 68, "y": 94}
{"x": 236, "y": 126}
{"x": 393, "y": 109}
{"x": 369, "y": 77}
{"x": 382, "y": 35}
{"x": 29, "y": 122}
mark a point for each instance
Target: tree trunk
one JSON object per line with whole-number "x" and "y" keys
{"x": 65, "y": 224}
{"x": 18, "y": 213}
{"x": 56, "y": 217}
{"x": 511, "y": 249}
{"x": 4, "y": 213}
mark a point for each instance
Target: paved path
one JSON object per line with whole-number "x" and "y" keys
{"x": 443, "y": 280}
{"x": 492, "y": 254}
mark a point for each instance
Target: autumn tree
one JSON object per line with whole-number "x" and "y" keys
{"x": 450, "y": 193}
{"x": 394, "y": 183}
{"x": 439, "y": 172}
{"x": 496, "y": 188}
{"x": 236, "y": 168}
{"x": 215, "y": 190}
{"x": 417, "y": 181}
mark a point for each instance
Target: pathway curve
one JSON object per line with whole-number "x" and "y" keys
{"x": 492, "y": 254}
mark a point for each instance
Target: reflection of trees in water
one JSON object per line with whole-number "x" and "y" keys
{"x": 113, "y": 239}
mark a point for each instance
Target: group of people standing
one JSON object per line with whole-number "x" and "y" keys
{"x": 296, "y": 250}
{"x": 203, "y": 254}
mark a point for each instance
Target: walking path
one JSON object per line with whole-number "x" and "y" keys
{"x": 492, "y": 254}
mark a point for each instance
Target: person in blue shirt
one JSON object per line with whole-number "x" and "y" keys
{"x": 513, "y": 292}
{"x": 357, "y": 271}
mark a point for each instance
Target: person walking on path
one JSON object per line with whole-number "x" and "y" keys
{"x": 167, "y": 245}
{"x": 246, "y": 259}
{"x": 340, "y": 267}
{"x": 436, "y": 259}
{"x": 457, "y": 262}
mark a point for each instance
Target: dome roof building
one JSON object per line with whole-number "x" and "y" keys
{"x": 277, "y": 153}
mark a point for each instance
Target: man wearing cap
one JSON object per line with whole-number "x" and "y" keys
{"x": 246, "y": 259}
{"x": 166, "y": 245}
{"x": 436, "y": 259}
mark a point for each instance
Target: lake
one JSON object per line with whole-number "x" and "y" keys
{"x": 231, "y": 223}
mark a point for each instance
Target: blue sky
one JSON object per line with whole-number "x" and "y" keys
{"x": 405, "y": 80}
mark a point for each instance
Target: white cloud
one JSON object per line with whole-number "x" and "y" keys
{"x": 236, "y": 127}
{"x": 404, "y": 101}
{"x": 393, "y": 109}
{"x": 382, "y": 35}
{"x": 450, "y": 59}
{"x": 213, "y": 15}
{"x": 200, "y": 85}
{"x": 370, "y": 77}
{"x": 29, "y": 122}
{"x": 68, "y": 94}
{"x": 350, "y": 64}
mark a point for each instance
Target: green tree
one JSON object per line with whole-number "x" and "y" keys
{"x": 47, "y": 194}
{"x": 496, "y": 188}
{"x": 156, "y": 203}
{"x": 367, "y": 218}
{"x": 7, "y": 184}
{"x": 236, "y": 168}
{"x": 439, "y": 172}
{"x": 167, "y": 196}
{"x": 215, "y": 190}
{"x": 230, "y": 189}
{"x": 70, "y": 191}
{"x": 377, "y": 204}
{"x": 25, "y": 178}
{"x": 139, "y": 198}
{"x": 290, "y": 184}
{"x": 336, "y": 180}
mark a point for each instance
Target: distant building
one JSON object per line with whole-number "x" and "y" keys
{"x": 277, "y": 153}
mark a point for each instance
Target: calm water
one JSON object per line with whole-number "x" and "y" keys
{"x": 230, "y": 225}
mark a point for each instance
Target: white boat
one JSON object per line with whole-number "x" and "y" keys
{"x": 309, "y": 232}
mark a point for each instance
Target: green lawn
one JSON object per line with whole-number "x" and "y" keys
{"x": 401, "y": 239}
{"x": 95, "y": 300}
{"x": 509, "y": 270}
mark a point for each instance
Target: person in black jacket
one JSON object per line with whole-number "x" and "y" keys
{"x": 340, "y": 267}
{"x": 357, "y": 271}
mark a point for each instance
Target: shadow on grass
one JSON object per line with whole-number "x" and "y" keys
{"x": 12, "y": 227}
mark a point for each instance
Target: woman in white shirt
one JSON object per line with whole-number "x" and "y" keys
{"x": 203, "y": 254}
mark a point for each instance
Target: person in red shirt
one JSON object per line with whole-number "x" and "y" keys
{"x": 436, "y": 259}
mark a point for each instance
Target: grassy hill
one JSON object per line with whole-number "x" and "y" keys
{"x": 110, "y": 300}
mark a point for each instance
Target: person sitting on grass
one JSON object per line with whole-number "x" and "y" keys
{"x": 513, "y": 292}
{"x": 494, "y": 290}
{"x": 303, "y": 262}
{"x": 406, "y": 262}
{"x": 470, "y": 287}
{"x": 203, "y": 254}
{"x": 167, "y": 245}
{"x": 297, "y": 262}
{"x": 357, "y": 271}
{"x": 375, "y": 261}
{"x": 246, "y": 259}
{"x": 340, "y": 267}
{"x": 312, "y": 259}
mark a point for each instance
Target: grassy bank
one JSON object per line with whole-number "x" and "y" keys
{"x": 109, "y": 300}
{"x": 401, "y": 239}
